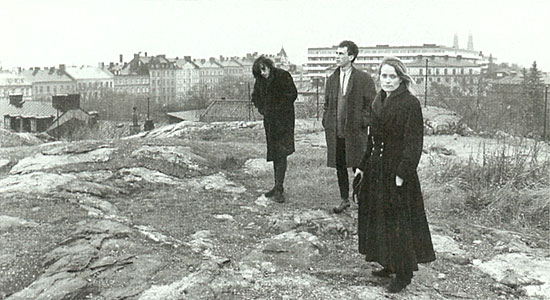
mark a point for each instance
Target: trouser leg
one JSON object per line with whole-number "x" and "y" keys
{"x": 279, "y": 166}
{"x": 341, "y": 169}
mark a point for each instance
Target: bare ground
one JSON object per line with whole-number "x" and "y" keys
{"x": 179, "y": 216}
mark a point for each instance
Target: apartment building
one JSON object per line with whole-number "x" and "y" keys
{"x": 90, "y": 82}
{"x": 187, "y": 75}
{"x": 47, "y": 82}
{"x": 322, "y": 59}
{"x": 14, "y": 83}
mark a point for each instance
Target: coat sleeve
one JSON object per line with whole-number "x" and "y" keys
{"x": 412, "y": 140}
{"x": 257, "y": 100}
{"x": 368, "y": 97}
{"x": 289, "y": 88}
{"x": 326, "y": 103}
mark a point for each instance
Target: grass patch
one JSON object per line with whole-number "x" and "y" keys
{"x": 506, "y": 186}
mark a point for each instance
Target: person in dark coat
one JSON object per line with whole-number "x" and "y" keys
{"x": 348, "y": 96}
{"x": 274, "y": 95}
{"x": 392, "y": 225}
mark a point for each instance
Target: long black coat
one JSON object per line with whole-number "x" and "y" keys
{"x": 274, "y": 97}
{"x": 393, "y": 229}
{"x": 360, "y": 94}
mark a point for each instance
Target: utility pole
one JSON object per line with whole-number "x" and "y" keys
{"x": 426, "y": 86}
{"x": 249, "y": 102}
{"x": 317, "y": 95}
{"x": 545, "y": 111}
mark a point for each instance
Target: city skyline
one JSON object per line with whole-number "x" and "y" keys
{"x": 49, "y": 33}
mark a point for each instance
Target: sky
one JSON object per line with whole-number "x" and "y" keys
{"x": 84, "y": 32}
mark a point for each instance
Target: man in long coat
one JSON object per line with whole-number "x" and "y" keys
{"x": 274, "y": 95}
{"x": 348, "y": 95}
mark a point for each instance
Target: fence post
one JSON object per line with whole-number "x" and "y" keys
{"x": 545, "y": 111}
{"x": 426, "y": 86}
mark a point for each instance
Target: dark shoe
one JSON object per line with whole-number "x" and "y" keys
{"x": 397, "y": 285}
{"x": 343, "y": 206}
{"x": 382, "y": 273}
{"x": 278, "y": 197}
{"x": 271, "y": 193}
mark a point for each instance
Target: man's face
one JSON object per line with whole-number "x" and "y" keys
{"x": 343, "y": 59}
{"x": 264, "y": 70}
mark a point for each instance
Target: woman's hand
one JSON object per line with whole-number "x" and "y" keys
{"x": 398, "y": 181}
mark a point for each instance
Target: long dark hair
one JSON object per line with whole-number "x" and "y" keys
{"x": 257, "y": 66}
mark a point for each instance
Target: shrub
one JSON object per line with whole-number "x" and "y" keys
{"x": 509, "y": 185}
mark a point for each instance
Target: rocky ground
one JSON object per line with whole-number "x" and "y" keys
{"x": 177, "y": 214}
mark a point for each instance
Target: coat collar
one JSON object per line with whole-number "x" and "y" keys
{"x": 381, "y": 106}
{"x": 350, "y": 80}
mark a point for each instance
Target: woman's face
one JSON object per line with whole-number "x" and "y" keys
{"x": 389, "y": 80}
{"x": 264, "y": 70}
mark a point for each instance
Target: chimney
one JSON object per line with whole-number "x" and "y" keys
{"x": 111, "y": 65}
{"x": 136, "y": 56}
{"x": 221, "y": 58}
{"x": 120, "y": 57}
{"x": 51, "y": 71}
{"x": 459, "y": 57}
{"x": 188, "y": 58}
{"x": 62, "y": 68}
{"x": 16, "y": 100}
{"x": 36, "y": 69}
{"x": 212, "y": 60}
{"x": 145, "y": 53}
{"x": 101, "y": 65}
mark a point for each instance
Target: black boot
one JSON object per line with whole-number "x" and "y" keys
{"x": 400, "y": 282}
{"x": 271, "y": 193}
{"x": 397, "y": 285}
{"x": 279, "y": 168}
{"x": 382, "y": 273}
{"x": 279, "y": 195}
{"x": 343, "y": 206}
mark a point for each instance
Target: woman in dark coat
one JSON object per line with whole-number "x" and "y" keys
{"x": 393, "y": 229}
{"x": 274, "y": 95}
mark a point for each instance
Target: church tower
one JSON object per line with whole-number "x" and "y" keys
{"x": 470, "y": 42}
{"x": 455, "y": 42}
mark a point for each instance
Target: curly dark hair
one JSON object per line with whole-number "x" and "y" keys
{"x": 257, "y": 66}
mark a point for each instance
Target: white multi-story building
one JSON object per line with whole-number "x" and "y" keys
{"x": 322, "y": 60}
{"x": 14, "y": 83}
{"x": 48, "y": 82}
{"x": 90, "y": 82}
{"x": 187, "y": 75}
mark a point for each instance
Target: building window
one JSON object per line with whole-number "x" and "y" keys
{"x": 421, "y": 71}
{"x": 445, "y": 71}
